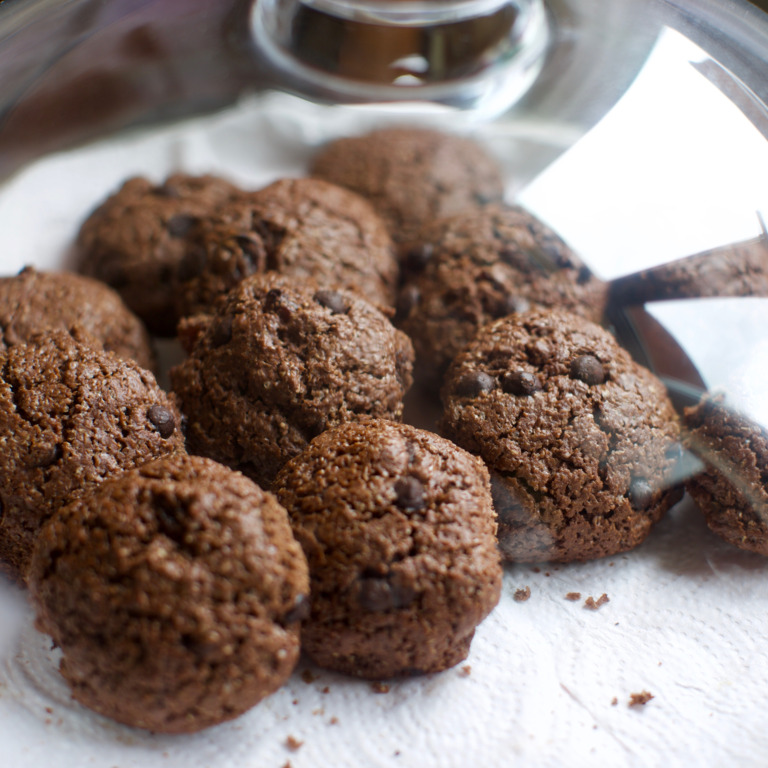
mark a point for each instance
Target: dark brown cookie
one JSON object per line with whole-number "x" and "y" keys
{"x": 70, "y": 417}
{"x": 35, "y": 301}
{"x": 731, "y": 490}
{"x": 305, "y": 228}
{"x": 399, "y": 531}
{"x": 736, "y": 270}
{"x": 135, "y": 240}
{"x": 581, "y": 441}
{"x": 484, "y": 264}
{"x": 280, "y": 362}
{"x": 412, "y": 175}
{"x": 174, "y": 592}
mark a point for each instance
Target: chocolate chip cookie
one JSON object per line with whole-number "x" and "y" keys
{"x": 484, "y": 264}
{"x": 412, "y": 175}
{"x": 71, "y": 416}
{"x": 731, "y": 490}
{"x": 33, "y": 301}
{"x": 278, "y": 363}
{"x": 135, "y": 240}
{"x": 735, "y": 270}
{"x": 305, "y": 228}
{"x": 581, "y": 441}
{"x": 174, "y": 592}
{"x": 398, "y": 528}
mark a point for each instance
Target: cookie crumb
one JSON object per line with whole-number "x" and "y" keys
{"x": 639, "y": 699}
{"x": 318, "y": 711}
{"x": 333, "y": 721}
{"x": 465, "y": 671}
{"x": 593, "y": 604}
{"x": 614, "y": 701}
{"x": 547, "y": 573}
{"x": 293, "y": 743}
{"x": 325, "y": 689}
{"x": 287, "y": 764}
{"x": 379, "y": 687}
{"x": 295, "y": 702}
{"x": 521, "y": 595}
{"x": 573, "y": 596}
{"x": 308, "y": 676}
{"x": 536, "y": 569}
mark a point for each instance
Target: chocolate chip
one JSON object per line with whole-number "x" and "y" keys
{"x": 332, "y": 300}
{"x": 383, "y": 593}
{"x": 222, "y": 332}
{"x": 410, "y": 494}
{"x": 180, "y": 224}
{"x": 2, "y": 509}
{"x": 408, "y": 298}
{"x": 418, "y": 258}
{"x": 511, "y": 305}
{"x": 162, "y": 419}
{"x": 474, "y": 384}
{"x": 587, "y": 368}
{"x": 584, "y": 276}
{"x": 640, "y": 493}
{"x": 522, "y": 383}
{"x": 375, "y": 594}
{"x": 299, "y": 611}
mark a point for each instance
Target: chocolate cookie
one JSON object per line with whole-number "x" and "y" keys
{"x": 70, "y": 417}
{"x": 35, "y": 301}
{"x": 398, "y": 528}
{"x": 174, "y": 592}
{"x": 581, "y": 441}
{"x": 731, "y": 490}
{"x": 135, "y": 240}
{"x": 412, "y": 175}
{"x": 484, "y": 264}
{"x": 305, "y": 228}
{"x": 280, "y": 362}
{"x": 735, "y": 270}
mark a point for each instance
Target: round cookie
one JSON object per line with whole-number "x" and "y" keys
{"x": 581, "y": 441}
{"x": 731, "y": 489}
{"x": 305, "y": 228}
{"x": 71, "y": 416}
{"x": 135, "y": 240}
{"x": 484, "y": 264}
{"x": 399, "y": 531}
{"x": 33, "y": 301}
{"x": 280, "y": 362}
{"x": 412, "y": 175}
{"x": 735, "y": 270}
{"x": 174, "y": 592}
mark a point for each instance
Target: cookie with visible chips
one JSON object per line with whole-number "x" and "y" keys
{"x": 278, "y": 363}
{"x": 71, "y": 416}
{"x": 399, "y": 531}
{"x": 581, "y": 441}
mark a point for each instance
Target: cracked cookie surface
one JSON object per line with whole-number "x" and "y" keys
{"x": 174, "y": 592}
{"x": 280, "y": 362}
{"x": 303, "y": 228}
{"x": 399, "y": 531}
{"x": 581, "y": 441}
{"x": 71, "y": 416}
